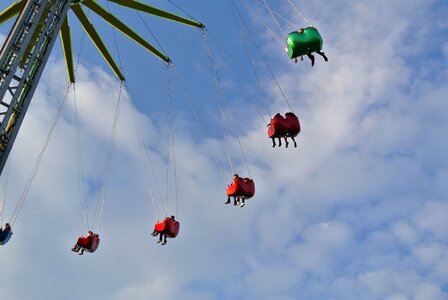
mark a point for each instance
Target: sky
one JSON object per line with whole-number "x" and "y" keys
{"x": 357, "y": 211}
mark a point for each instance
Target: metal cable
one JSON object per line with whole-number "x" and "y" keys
{"x": 146, "y": 162}
{"x": 175, "y": 180}
{"x": 254, "y": 70}
{"x": 182, "y": 10}
{"x": 275, "y": 19}
{"x": 240, "y": 68}
{"x": 145, "y": 158}
{"x": 220, "y": 92}
{"x": 5, "y": 185}
{"x": 171, "y": 146}
{"x": 218, "y": 86}
{"x": 82, "y": 193}
{"x": 80, "y": 47}
{"x": 277, "y": 14}
{"x": 115, "y": 40}
{"x": 38, "y": 161}
{"x": 168, "y": 139}
{"x": 229, "y": 157}
{"x": 265, "y": 61}
{"x": 224, "y": 50}
{"x": 195, "y": 115}
{"x": 280, "y": 41}
{"x": 106, "y": 173}
{"x": 300, "y": 13}
{"x": 244, "y": 156}
{"x": 153, "y": 35}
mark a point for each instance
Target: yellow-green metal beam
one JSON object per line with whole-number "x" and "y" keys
{"x": 157, "y": 12}
{"x": 66, "y": 41}
{"x": 94, "y": 36}
{"x": 112, "y": 20}
{"x": 11, "y": 11}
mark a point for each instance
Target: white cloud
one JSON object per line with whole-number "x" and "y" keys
{"x": 405, "y": 232}
{"x": 397, "y": 297}
{"x": 357, "y": 211}
{"x": 445, "y": 50}
{"x": 432, "y": 218}
{"x": 430, "y": 254}
{"x": 428, "y": 291}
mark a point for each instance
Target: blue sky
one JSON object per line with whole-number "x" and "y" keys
{"x": 357, "y": 211}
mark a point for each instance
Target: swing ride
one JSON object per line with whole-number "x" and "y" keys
{"x": 284, "y": 127}
{"x": 27, "y": 49}
{"x": 304, "y": 42}
{"x": 168, "y": 228}
{"x": 28, "y": 46}
{"x": 89, "y": 243}
{"x": 279, "y": 127}
{"x": 240, "y": 189}
{"x": 29, "y": 43}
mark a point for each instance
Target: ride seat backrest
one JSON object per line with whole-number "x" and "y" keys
{"x": 242, "y": 187}
{"x": 5, "y": 236}
{"x": 168, "y": 226}
{"x": 298, "y": 44}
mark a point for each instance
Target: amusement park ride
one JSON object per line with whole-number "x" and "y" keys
{"x": 29, "y": 44}
{"x": 27, "y": 48}
{"x": 25, "y": 53}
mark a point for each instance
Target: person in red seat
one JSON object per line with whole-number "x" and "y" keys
{"x": 293, "y": 127}
{"x": 236, "y": 200}
{"x": 284, "y": 127}
{"x": 243, "y": 198}
{"x": 78, "y": 247}
{"x": 277, "y": 129}
{"x": 163, "y": 235}
{"x": 155, "y": 233}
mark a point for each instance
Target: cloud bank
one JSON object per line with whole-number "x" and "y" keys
{"x": 357, "y": 211}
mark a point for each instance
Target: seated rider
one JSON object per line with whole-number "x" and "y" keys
{"x": 243, "y": 198}
{"x": 278, "y": 118}
{"x": 163, "y": 235}
{"x": 155, "y": 233}
{"x": 236, "y": 199}
{"x": 7, "y": 227}
{"x": 78, "y": 247}
{"x": 308, "y": 53}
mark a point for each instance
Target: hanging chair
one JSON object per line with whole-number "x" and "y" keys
{"x": 168, "y": 226}
{"x": 292, "y": 124}
{"x": 241, "y": 187}
{"x": 277, "y": 126}
{"x": 299, "y": 44}
{"x": 288, "y": 126}
{"x": 89, "y": 243}
{"x": 5, "y": 236}
{"x": 284, "y": 127}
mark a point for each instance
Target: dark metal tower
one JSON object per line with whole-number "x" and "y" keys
{"x": 22, "y": 61}
{"x": 29, "y": 43}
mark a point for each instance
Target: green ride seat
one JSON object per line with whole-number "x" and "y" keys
{"x": 299, "y": 44}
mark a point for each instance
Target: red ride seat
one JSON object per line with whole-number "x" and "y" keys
{"x": 284, "y": 126}
{"x": 292, "y": 124}
{"x": 89, "y": 243}
{"x": 168, "y": 226}
{"x": 241, "y": 187}
{"x": 277, "y": 126}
